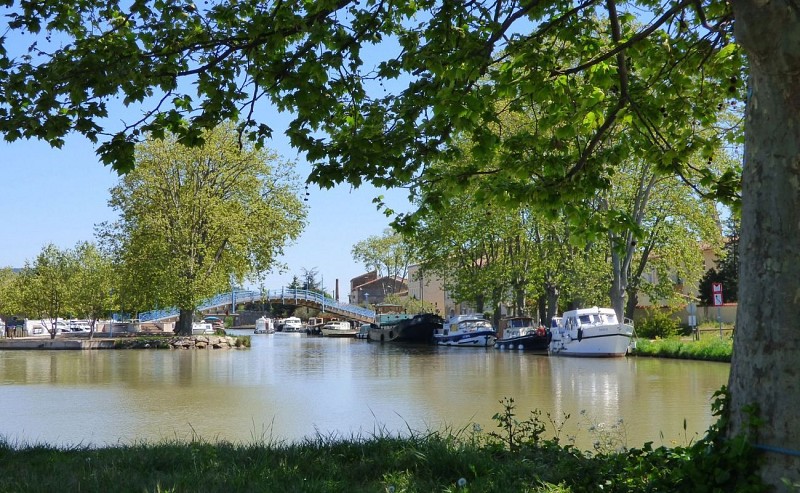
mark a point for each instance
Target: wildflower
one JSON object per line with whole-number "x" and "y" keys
{"x": 462, "y": 482}
{"x": 390, "y": 488}
{"x": 476, "y": 428}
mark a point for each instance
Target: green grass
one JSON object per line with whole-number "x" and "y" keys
{"x": 710, "y": 347}
{"x": 514, "y": 458}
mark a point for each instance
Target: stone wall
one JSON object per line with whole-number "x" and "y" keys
{"x": 181, "y": 342}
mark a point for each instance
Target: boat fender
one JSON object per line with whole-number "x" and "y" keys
{"x": 580, "y": 334}
{"x": 540, "y": 332}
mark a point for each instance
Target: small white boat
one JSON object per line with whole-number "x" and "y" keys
{"x": 290, "y": 326}
{"x": 522, "y": 333}
{"x": 200, "y": 328}
{"x": 264, "y": 325}
{"x": 465, "y": 331}
{"x": 594, "y": 332}
{"x": 338, "y": 328}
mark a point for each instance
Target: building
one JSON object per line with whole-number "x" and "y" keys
{"x": 370, "y": 289}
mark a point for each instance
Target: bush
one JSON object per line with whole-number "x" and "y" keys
{"x": 657, "y": 324}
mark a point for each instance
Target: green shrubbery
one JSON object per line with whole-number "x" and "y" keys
{"x": 517, "y": 457}
{"x": 657, "y": 324}
{"x": 709, "y": 348}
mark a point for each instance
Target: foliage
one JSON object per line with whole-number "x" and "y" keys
{"x": 517, "y": 458}
{"x": 93, "y": 289}
{"x": 194, "y": 220}
{"x": 727, "y": 270}
{"x": 710, "y": 347}
{"x": 46, "y": 285}
{"x": 385, "y": 87}
{"x": 657, "y": 324}
{"x": 10, "y": 290}
{"x": 410, "y": 305}
{"x": 388, "y": 255}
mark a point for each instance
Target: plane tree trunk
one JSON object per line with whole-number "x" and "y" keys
{"x": 184, "y": 325}
{"x": 765, "y": 370}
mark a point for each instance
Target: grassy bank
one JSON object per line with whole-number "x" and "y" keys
{"x": 710, "y": 347}
{"x": 513, "y": 458}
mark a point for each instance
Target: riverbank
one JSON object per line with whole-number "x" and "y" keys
{"x": 127, "y": 342}
{"x": 708, "y": 348}
{"x": 514, "y": 458}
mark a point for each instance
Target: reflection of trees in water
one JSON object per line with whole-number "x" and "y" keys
{"x": 296, "y": 386}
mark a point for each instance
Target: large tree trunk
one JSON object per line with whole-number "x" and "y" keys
{"x": 184, "y": 325}
{"x": 632, "y": 301}
{"x": 766, "y": 353}
{"x": 619, "y": 282}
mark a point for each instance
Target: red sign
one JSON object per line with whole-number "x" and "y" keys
{"x": 716, "y": 291}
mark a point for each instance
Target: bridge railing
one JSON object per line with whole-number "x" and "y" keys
{"x": 284, "y": 295}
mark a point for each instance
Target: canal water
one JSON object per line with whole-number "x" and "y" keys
{"x": 289, "y": 388}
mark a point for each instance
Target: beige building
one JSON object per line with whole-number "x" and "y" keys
{"x": 370, "y": 289}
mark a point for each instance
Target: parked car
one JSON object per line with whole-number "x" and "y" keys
{"x": 79, "y": 326}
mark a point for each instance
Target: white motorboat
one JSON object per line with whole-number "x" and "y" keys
{"x": 264, "y": 325}
{"x": 465, "y": 331}
{"x": 338, "y": 328}
{"x": 522, "y": 333}
{"x": 590, "y": 332}
{"x": 290, "y": 326}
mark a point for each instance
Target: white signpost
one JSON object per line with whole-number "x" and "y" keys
{"x": 716, "y": 294}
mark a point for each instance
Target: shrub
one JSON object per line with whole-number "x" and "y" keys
{"x": 657, "y": 324}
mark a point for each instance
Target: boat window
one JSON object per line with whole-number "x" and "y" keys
{"x": 586, "y": 319}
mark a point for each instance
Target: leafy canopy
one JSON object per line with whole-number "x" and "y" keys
{"x": 377, "y": 89}
{"x": 195, "y": 219}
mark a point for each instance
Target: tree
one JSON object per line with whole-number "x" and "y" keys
{"x": 727, "y": 270}
{"x": 388, "y": 255}
{"x": 10, "y": 288}
{"x": 94, "y": 287}
{"x": 668, "y": 225}
{"x": 666, "y": 70}
{"x": 47, "y": 284}
{"x": 193, "y": 220}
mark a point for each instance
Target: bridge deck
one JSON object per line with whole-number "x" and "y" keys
{"x": 296, "y": 297}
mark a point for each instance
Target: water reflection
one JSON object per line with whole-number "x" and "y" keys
{"x": 288, "y": 387}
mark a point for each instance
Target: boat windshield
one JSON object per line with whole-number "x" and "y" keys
{"x": 473, "y": 325}
{"x": 608, "y": 318}
{"x": 598, "y": 318}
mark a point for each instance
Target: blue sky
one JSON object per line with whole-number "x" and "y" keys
{"x": 58, "y": 195}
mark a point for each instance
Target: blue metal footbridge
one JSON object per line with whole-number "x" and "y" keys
{"x": 284, "y": 296}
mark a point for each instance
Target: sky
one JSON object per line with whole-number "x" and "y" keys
{"x": 59, "y": 195}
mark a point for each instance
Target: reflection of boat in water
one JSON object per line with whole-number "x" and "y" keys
{"x": 466, "y": 331}
{"x": 590, "y": 332}
{"x": 523, "y": 334}
{"x": 264, "y": 325}
{"x": 338, "y": 328}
